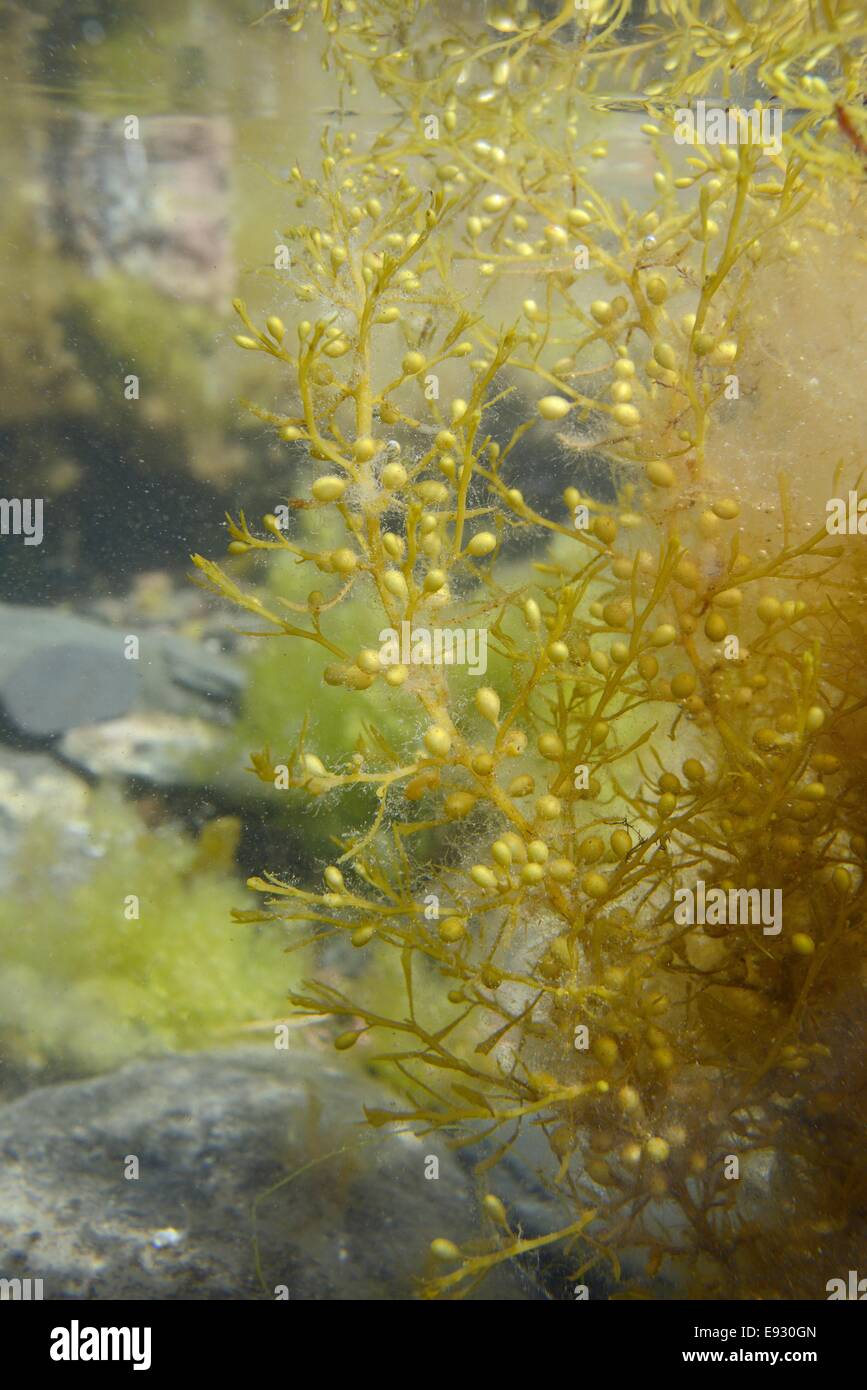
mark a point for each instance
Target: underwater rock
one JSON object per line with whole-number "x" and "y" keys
{"x": 156, "y": 748}
{"x": 209, "y": 1136}
{"x": 64, "y": 676}
{"x": 57, "y": 675}
{"x": 147, "y": 197}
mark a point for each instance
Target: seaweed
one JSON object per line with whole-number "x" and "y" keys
{"x": 679, "y": 686}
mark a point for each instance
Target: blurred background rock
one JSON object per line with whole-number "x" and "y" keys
{"x": 121, "y": 257}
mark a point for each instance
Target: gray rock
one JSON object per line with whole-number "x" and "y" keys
{"x": 214, "y": 1134}
{"x": 61, "y": 684}
{"x": 65, "y": 677}
{"x": 58, "y": 671}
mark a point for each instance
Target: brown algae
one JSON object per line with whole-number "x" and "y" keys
{"x": 677, "y": 685}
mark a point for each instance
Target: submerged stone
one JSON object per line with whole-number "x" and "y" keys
{"x": 59, "y": 672}
{"x": 167, "y": 1178}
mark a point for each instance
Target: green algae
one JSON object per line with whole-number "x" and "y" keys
{"x": 132, "y": 957}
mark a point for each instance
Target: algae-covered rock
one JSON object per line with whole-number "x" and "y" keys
{"x": 210, "y": 1138}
